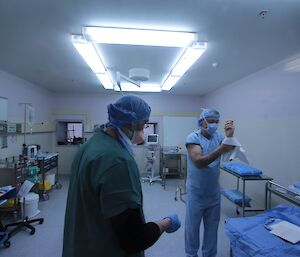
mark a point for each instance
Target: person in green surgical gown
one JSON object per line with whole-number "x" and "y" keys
{"x": 104, "y": 215}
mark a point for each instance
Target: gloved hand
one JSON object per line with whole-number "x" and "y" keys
{"x": 175, "y": 223}
{"x": 229, "y": 128}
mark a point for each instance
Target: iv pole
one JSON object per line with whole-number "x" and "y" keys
{"x": 25, "y": 115}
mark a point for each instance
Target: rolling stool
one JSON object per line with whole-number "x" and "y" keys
{"x": 18, "y": 226}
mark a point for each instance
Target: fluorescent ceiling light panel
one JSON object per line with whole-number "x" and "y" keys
{"x": 123, "y": 36}
{"x": 105, "y": 35}
{"x": 128, "y": 87}
{"x": 89, "y": 54}
{"x": 189, "y": 57}
{"x": 169, "y": 82}
{"x": 105, "y": 80}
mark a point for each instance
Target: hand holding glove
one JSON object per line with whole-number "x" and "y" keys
{"x": 175, "y": 223}
{"x": 229, "y": 128}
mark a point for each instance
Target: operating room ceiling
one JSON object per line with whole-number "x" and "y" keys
{"x": 243, "y": 37}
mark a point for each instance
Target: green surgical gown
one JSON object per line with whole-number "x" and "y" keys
{"x": 104, "y": 182}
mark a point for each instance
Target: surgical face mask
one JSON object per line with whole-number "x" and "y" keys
{"x": 211, "y": 128}
{"x": 124, "y": 136}
{"x": 138, "y": 137}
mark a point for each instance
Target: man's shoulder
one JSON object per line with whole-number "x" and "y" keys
{"x": 103, "y": 147}
{"x": 193, "y": 137}
{"x": 195, "y": 133}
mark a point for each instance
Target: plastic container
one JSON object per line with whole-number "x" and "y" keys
{"x": 31, "y": 205}
{"x": 51, "y": 178}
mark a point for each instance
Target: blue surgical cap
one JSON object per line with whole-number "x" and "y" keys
{"x": 129, "y": 109}
{"x": 209, "y": 113}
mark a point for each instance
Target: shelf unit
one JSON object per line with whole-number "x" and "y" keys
{"x": 47, "y": 163}
{"x": 14, "y": 174}
{"x": 244, "y": 179}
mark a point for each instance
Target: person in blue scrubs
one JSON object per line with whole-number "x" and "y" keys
{"x": 204, "y": 148}
{"x": 104, "y": 213}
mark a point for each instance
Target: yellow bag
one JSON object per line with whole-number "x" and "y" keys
{"x": 47, "y": 185}
{"x": 10, "y": 203}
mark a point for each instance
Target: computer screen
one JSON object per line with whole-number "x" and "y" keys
{"x": 152, "y": 139}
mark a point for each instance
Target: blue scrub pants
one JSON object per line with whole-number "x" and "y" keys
{"x": 200, "y": 207}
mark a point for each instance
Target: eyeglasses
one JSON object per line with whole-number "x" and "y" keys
{"x": 141, "y": 125}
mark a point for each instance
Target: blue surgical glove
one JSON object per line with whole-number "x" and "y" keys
{"x": 175, "y": 223}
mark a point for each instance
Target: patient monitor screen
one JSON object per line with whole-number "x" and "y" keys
{"x": 152, "y": 139}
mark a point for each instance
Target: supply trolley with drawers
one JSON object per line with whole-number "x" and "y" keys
{"x": 47, "y": 162}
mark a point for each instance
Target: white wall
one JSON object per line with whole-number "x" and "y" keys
{"x": 266, "y": 110}
{"x": 20, "y": 91}
{"x": 176, "y": 130}
{"x": 92, "y": 108}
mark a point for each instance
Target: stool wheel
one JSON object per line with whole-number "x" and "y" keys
{"x": 58, "y": 186}
{"x": 7, "y": 244}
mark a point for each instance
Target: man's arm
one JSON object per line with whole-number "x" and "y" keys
{"x": 202, "y": 161}
{"x": 133, "y": 234}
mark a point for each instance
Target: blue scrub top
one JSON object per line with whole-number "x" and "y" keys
{"x": 206, "y": 179}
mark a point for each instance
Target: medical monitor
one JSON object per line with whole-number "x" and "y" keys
{"x": 152, "y": 139}
{"x": 31, "y": 151}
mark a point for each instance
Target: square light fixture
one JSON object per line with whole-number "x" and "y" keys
{"x": 105, "y": 80}
{"x": 145, "y": 87}
{"x": 124, "y": 36}
{"x": 188, "y": 58}
{"x": 92, "y": 58}
{"x": 105, "y": 35}
{"x": 169, "y": 82}
{"x": 89, "y": 53}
